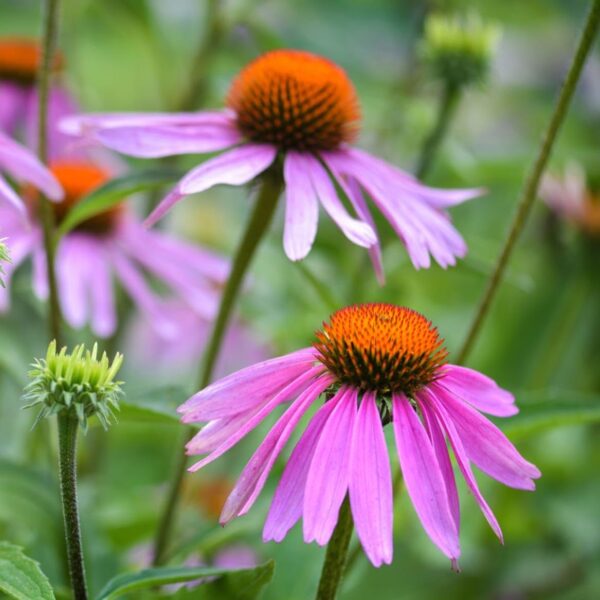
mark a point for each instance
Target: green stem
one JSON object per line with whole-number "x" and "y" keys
{"x": 431, "y": 145}
{"x": 67, "y": 448}
{"x": 530, "y": 186}
{"x": 46, "y": 212}
{"x": 336, "y": 555}
{"x": 255, "y": 230}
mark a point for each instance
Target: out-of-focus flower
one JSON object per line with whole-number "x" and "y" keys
{"x": 303, "y": 108}
{"x": 4, "y": 257}
{"x": 78, "y": 383}
{"x": 24, "y": 166}
{"x": 373, "y": 363}
{"x": 569, "y": 197}
{"x": 111, "y": 244}
{"x": 19, "y": 64}
{"x": 459, "y": 50}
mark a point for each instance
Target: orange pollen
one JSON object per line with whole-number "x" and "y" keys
{"x": 295, "y": 100}
{"x": 20, "y": 60}
{"x": 78, "y": 179}
{"x": 381, "y": 347}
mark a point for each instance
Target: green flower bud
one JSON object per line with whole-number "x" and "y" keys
{"x": 78, "y": 383}
{"x": 459, "y": 50}
{"x": 4, "y": 257}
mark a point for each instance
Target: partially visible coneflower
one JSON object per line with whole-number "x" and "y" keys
{"x": 372, "y": 364}
{"x": 304, "y": 109}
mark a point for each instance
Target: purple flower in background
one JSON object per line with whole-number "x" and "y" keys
{"x": 303, "y": 108}
{"x": 111, "y": 245}
{"x": 372, "y": 364}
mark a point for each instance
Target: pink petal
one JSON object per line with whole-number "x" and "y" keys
{"x": 301, "y": 209}
{"x": 11, "y": 108}
{"x": 164, "y": 206}
{"x": 72, "y": 264}
{"x": 423, "y": 478}
{"x": 329, "y": 472}
{"x": 478, "y": 390}
{"x": 371, "y": 495}
{"x": 9, "y": 195}
{"x": 486, "y": 445}
{"x": 437, "y": 412}
{"x": 255, "y": 473}
{"x": 246, "y": 388}
{"x": 104, "y": 316}
{"x": 235, "y": 167}
{"x": 288, "y": 500}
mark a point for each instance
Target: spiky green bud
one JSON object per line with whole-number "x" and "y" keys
{"x": 79, "y": 383}
{"x": 459, "y": 50}
{"x": 4, "y": 257}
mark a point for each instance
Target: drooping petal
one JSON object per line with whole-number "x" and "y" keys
{"x": 370, "y": 488}
{"x": 235, "y": 167}
{"x": 301, "y": 209}
{"x": 164, "y": 206}
{"x": 486, "y": 445}
{"x": 104, "y": 315}
{"x": 21, "y": 243}
{"x": 478, "y": 390}
{"x": 286, "y": 507}
{"x": 437, "y": 413}
{"x": 329, "y": 472}
{"x": 246, "y": 388}
{"x": 9, "y": 195}
{"x": 11, "y": 108}
{"x": 423, "y": 478}
{"x": 255, "y": 473}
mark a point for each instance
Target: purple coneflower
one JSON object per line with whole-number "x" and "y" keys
{"x": 111, "y": 244}
{"x": 303, "y": 108}
{"x": 371, "y": 364}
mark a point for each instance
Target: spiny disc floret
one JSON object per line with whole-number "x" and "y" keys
{"x": 381, "y": 347}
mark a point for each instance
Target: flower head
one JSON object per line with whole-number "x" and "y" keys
{"x": 20, "y": 60}
{"x": 372, "y": 364}
{"x": 78, "y": 383}
{"x": 302, "y": 108}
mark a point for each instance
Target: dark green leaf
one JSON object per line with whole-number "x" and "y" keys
{"x": 115, "y": 191}
{"x": 21, "y": 577}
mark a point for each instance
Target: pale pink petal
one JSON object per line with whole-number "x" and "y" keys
{"x": 40, "y": 273}
{"x": 301, "y": 209}
{"x": 11, "y": 108}
{"x": 164, "y": 206}
{"x": 255, "y": 473}
{"x": 21, "y": 243}
{"x": 104, "y": 315}
{"x": 437, "y": 413}
{"x": 478, "y": 390}
{"x": 235, "y": 167}
{"x": 423, "y": 478}
{"x": 9, "y": 195}
{"x": 370, "y": 489}
{"x": 486, "y": 445}
{"x": 286, "y": 507}
{"x": 246, "y": 388}
{"x": 329, "y": 472}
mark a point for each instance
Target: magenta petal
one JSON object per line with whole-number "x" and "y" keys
{"x": 329, "y": 472}
{"x": 486, "y": 445}
{"x": 255, "y": 473}
{"x": 301, "y": 209}
{"x": 72, "y": 267}
{"x": 371, "y": 495}
{"x": 235, "y": 167}
{"x": 288, "y": 500}
{"x": 478, "y": 390}
{"x": 423, "y": 478}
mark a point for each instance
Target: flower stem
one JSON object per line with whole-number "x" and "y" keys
{"x": 530, "y": 186}
{"x": 67, "y": 447}
{"x": 336, "y": 555}
{"x": 46, "y": 212}
{"x": 431, "y": 145}
{"x": 255, "y": 230}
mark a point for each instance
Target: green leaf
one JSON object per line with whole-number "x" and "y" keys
{"x": 154, "y": 406}
{"x": 113, "y": 192}
{"x": 21, "y": 577}
{"x": 234, "y": 584}
{"x": 551, "y": 409}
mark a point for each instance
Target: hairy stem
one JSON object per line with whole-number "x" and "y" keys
{"x": 255, "y": 230}
{"x": 531, "y": 184}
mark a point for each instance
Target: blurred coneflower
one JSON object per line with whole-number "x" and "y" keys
{"x": 372, "y": 364}
{"x": 301, "y": 108}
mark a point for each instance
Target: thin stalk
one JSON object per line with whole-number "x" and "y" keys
{"x": 336, "y": 555}
{"x": 448, "y": 103}
{"x": 531, "y": 183}
{"x": 46, "y": 212}
{"x": 67, "y": 462}
{"x": 257, "y": 226}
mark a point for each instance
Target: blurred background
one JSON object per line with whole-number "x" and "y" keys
{"x": 541, "y": 340}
